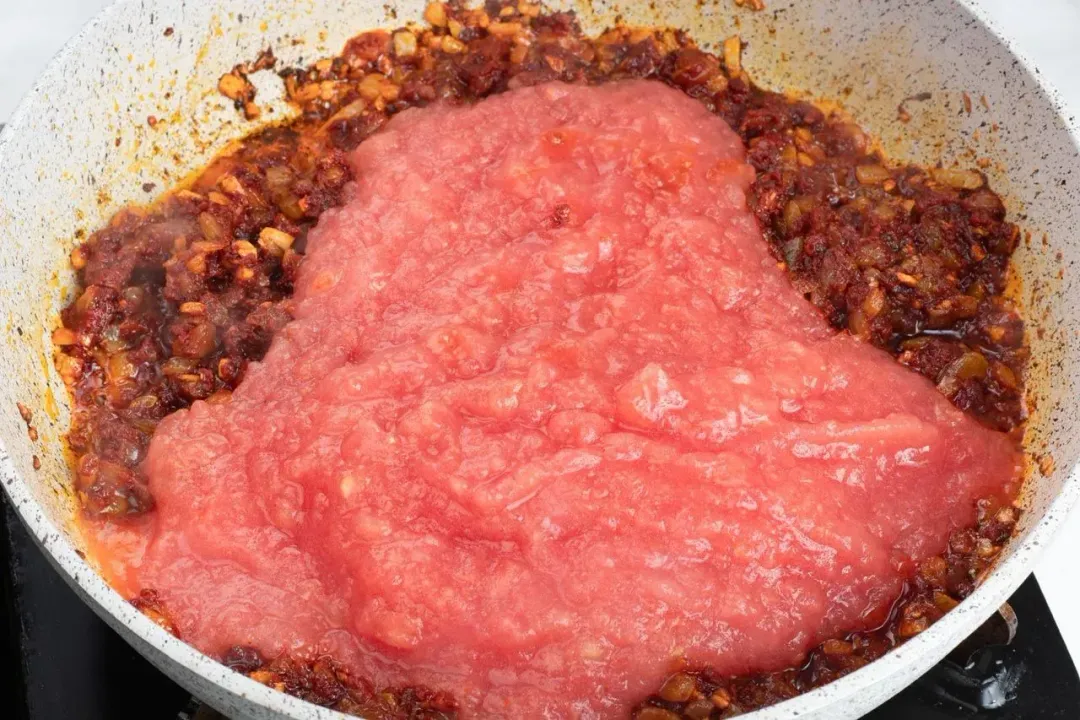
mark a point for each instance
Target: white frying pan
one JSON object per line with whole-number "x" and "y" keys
{"x": 61, "y": 170}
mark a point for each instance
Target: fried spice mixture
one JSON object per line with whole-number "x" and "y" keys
{"x": 177, "y": 299}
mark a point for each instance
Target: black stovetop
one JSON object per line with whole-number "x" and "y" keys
{"x": 62, "y": 662}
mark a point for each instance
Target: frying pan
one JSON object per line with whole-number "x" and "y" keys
{"x": 80, "y": 147}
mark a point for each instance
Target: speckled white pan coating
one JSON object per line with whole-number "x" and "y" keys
{"x": 80, "y": 146}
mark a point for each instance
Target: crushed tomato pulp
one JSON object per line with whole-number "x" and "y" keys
{"x": 548, "y": 420}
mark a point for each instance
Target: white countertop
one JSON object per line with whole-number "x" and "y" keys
{"x": 36, "y": 30}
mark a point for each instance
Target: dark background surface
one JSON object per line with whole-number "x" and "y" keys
{"x": 62, "y": 663}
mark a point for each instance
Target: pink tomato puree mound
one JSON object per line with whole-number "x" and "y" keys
{"x": 550, "y": 419}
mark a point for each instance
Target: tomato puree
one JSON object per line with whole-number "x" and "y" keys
{"x": 550, "y": 420}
